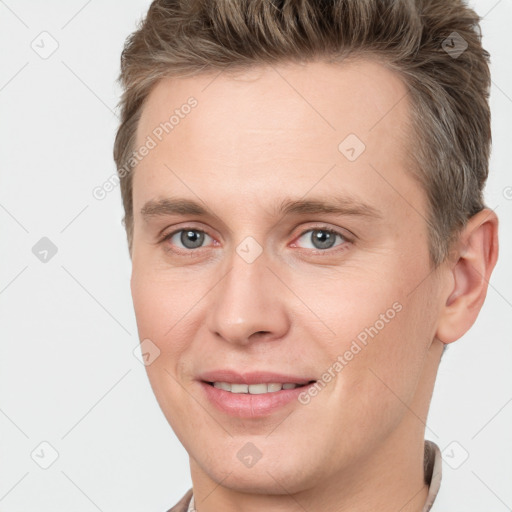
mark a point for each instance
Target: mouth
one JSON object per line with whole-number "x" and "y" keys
{"x": 255, "y": 393}
{"x": 256, "y": 398}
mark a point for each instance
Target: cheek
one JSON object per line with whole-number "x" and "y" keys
{"x": 149, "y": 304}
{"x": 393, "y": 362}
{"x": 159, "y": 306}
{"x": 382, "y": 336}
{"x": 371, "y": 394}
{"x": 158, "y": 312}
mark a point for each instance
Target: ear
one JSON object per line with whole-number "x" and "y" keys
{"x": 470, "y": 268}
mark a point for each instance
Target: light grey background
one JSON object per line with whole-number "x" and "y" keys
{"x": 68, "y": 374}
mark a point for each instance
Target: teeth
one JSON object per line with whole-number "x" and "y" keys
{"x": 239, "y": 388}
{"x": 254, "y": 389}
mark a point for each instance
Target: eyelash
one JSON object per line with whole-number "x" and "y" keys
{"x": 340, "y": 247}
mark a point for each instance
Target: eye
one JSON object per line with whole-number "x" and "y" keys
{"x": 322, "y": 238}
{"x": 189, "y": 238}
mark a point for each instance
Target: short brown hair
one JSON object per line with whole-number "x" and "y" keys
{"x": 434, "y": 45}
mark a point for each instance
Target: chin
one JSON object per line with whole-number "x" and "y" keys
{"x": 274, "y": 473}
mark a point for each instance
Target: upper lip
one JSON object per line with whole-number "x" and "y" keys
{"x": 254, "y": 377}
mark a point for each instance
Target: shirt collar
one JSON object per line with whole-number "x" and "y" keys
{"x": 433, "y": 473}
{"x": 191, "y": 506}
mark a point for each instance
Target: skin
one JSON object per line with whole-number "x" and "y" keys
{"x": 255, "y": 139}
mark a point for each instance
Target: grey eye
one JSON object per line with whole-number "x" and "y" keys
{"x": 190, "y": 238}
{"x": 321, "y": 238}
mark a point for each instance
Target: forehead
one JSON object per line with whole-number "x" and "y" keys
{"x": 354, "y": 95}
{"x": 278, "y": 129}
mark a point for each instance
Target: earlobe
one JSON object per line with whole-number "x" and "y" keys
{"x": 470, "y": 271}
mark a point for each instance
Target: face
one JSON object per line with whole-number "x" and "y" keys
{"x": 279, "y": 238}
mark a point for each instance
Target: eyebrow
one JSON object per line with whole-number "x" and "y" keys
{"x": 335, "y": 205}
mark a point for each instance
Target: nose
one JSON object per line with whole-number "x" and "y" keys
{"x": 249, "y": 303}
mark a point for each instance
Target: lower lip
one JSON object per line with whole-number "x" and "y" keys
{"x": 246, "y": 405}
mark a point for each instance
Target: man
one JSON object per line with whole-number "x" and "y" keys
{"x": 302, "y": 184}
